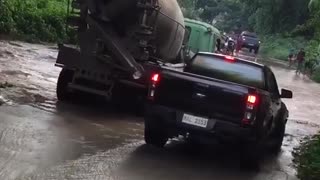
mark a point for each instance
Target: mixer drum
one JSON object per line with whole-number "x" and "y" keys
{"x": 125, "y": 17}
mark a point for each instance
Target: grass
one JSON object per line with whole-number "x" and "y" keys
{"x": 316, "y": 75}
{"x": 307, "y": 159}
{"x": 278, "y": 47}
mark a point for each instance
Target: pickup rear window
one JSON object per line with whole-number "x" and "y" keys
{"x": 250, "y": 35}
{"x": 235, "y": 71}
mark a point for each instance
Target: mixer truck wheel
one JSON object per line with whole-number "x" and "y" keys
{"x": 65, "y": 77}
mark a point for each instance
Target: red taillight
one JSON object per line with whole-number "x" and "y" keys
{"x": 250, "y": 111}
{"x": 229, "y": 58}
{"x": 155, "y": 78}
{"x": 252, "y": 99}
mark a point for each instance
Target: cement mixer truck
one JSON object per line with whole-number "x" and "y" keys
{"x": 120, "y": 42}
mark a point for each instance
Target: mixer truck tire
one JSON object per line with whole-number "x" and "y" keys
{"x": 65, "y": 77}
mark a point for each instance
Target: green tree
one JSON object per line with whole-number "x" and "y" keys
{"x": 276, "y": 16}
{"x": 189, "y": 9}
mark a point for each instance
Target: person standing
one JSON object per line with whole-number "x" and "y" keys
{"x": 290, "y": 57}
{"x": 300, "y": 59}
{"x": 218, "y": 45}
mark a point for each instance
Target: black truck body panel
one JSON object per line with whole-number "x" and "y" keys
{"x": 199, "y": 95}
{"x": 222, "y": 104}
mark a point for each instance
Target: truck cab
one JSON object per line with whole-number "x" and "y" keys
{"x": 201, "y": 36}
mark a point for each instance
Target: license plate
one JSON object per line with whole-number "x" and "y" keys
{"x": 251, "y": 44}
{"x": 195, "y": 121}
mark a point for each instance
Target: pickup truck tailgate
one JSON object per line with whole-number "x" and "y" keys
{"x": 251, "y": 40}
{"x": 202, "y": 96}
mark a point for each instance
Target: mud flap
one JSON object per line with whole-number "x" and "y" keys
{"x": 67, "y": 56}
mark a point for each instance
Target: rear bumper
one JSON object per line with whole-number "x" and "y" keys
{"x": 171, "y": 121}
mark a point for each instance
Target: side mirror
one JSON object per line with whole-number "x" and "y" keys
{"x": 286, "y": 94}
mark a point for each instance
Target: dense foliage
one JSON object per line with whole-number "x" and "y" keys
{"x": 263, "y": 16}
{"x": 277, "y": 46}
{"x": 34, "y": 19}
{"x": 307, "y": 158}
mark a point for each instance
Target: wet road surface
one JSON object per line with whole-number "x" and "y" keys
{"x": 40, "y": 139}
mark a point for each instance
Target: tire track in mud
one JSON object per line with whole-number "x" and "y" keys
{"x": 13, "y": 139}
{"x": 306, "y": 122}
{"x": 136, "y": 161}
{"x": 16, "y": 142}
{"x": 29, "y": 136}
{"x": 7, "y": 154}
{"x": 89, "y": 167}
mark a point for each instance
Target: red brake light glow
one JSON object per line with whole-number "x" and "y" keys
{"x": 250, "y": 112}
{"x": 155, "y": 77}
{"x": 230, "y": 58}
{"x": 252, "y": 99}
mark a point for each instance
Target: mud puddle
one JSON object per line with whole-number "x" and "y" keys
{"x": 45, "y": 140}
{"x": 29, "y": 68}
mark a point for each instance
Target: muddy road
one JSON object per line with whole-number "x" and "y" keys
{"x": 43, "y": 139}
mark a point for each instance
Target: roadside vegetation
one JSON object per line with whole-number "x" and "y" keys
{"x": 278, "y": 46}
{"x": 34, "y": 20}
{"x": 307, "y": 158}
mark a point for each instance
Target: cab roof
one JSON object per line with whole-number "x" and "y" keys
{"x": 203, "y": 24}
{"x": 247, "y": 33}
{"x": 236, "y": 58}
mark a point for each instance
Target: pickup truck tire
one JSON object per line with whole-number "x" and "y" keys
{"x": 65, "y": 77}
{"x": 251, "y": 156}
{"x": 278, "y": 132}
{"x": 277, "y": 137}
{"x": 153, "y": 134}
{"x": 256, "y": 50}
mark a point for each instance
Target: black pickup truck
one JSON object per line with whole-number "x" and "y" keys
{"x": 218, "y": 97}
{"x": 250, "y": 41}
